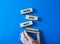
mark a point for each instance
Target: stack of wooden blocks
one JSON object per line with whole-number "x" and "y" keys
{"x": 29, "y": 23}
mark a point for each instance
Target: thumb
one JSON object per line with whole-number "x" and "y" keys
{"x": 27, "y": 36}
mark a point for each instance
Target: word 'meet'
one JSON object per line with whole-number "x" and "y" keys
{"x": 29, "y": 17}
{"x": 25, "y": 11}
{"x": 24, "y": 24}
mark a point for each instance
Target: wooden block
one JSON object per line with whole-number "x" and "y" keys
{"x": 24, "y": 24}
{"x": 29, "y": 17}
{"x": 32, "y": 30}
{"x": 25, "y": 11}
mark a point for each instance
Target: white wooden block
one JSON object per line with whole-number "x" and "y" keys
{"x": 32, "y": 30}
{"x": 25, "y": 11}
{"x": 24, "y": 24}
{"x": 29, "y": 17}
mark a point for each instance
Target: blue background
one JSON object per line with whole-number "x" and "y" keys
{"x": 49, "y": 22}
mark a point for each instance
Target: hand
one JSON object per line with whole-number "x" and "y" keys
{"x": 26, "y": 39}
